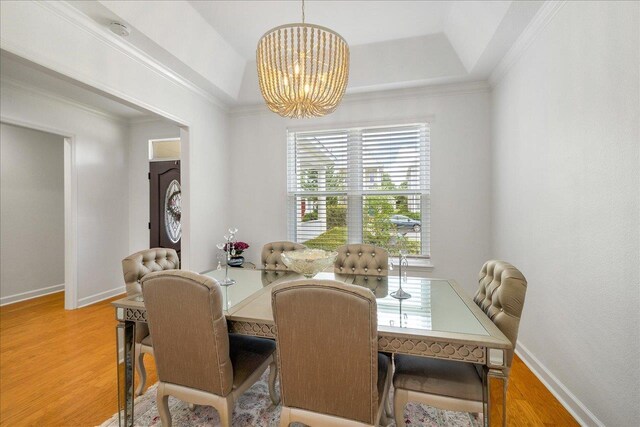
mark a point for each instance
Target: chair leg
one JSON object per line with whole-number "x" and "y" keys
{"x": 285, "y": 417}
{"x": 386, "y": 416}
{"x": 162, "y": 402}
{"x": 142, "y": 373}
{"x": 225, "y": 410}
{"x": 192, "y": 407}
{"x": 387, "y": 409}
{"x": 273, "y": 374}
{"x": 400, "y": 400}
{"x": 485, "y": 403}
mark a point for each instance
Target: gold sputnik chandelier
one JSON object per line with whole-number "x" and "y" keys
{"x": 303, "y": 69}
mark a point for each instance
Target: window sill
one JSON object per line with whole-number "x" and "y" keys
{"x": 420, "y": 264}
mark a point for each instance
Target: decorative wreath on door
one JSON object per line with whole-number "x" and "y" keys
{"x": 174, "y": 205}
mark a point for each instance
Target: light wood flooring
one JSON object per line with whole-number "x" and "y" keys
{"x": 58, "y": 368}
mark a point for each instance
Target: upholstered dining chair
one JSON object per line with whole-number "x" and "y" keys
{"x": 331, "y": 373}
{"x": 134, "y": 268}
{"x": 459, "y": 386}
{"x": 379, "y": 285}
{"x": 197, "y": 360}
{"x": 362, "y": 259}
{"x": 271, "y": 252}
{"x": 270, "y": 276}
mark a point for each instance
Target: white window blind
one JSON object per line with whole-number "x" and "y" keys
{"x": 356, "y": 185}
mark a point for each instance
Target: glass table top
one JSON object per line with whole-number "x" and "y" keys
{"x": 434, "y": 304}
{"x": 248, "y": 282}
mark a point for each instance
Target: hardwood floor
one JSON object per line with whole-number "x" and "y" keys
{"x": 57, "y": 368}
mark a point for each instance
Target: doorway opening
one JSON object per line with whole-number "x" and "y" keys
{"x": 165, "y": 189}
{"x": 103, "y": 134}
{"x": 36, "y": 197}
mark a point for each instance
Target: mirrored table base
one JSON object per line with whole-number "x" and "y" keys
{"x": 125, "y": 332}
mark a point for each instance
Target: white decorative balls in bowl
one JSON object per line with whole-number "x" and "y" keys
{"x": 308, "y": 262}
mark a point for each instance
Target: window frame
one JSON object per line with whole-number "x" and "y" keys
{"x": 354, "y": 192}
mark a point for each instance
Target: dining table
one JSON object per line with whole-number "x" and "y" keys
{"x": 439, "y": 321}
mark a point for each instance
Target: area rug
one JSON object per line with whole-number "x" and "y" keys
{"x": 254, "y": 409}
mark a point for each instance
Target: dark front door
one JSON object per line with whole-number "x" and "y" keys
{"x": 166, "y": 206}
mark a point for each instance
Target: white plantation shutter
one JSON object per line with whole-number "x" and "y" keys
{"x": 360, "y": 185}
{"x": 318, "y": 170}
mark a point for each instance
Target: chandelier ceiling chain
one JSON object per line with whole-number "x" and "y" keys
{"x": 303, "y": 69}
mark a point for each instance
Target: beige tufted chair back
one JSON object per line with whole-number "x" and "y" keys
{"x": 190, "y": 339}
{"x": 271, "y": 260}
{"x": 379, "y": 285}
{"x": 501, "y": 296}
{"x": 137, "y": 265}
{"x": 327, "y": 348}
{"x": 362, "y": 259}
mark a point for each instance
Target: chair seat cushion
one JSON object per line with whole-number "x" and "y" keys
{"x": 247, "y": 354}
{"x": 459, "y": 380}
{"x": 383, "y": 369}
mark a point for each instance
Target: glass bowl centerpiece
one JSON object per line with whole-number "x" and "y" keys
{"x": 308, "y": 262}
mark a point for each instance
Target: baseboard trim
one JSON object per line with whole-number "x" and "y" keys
{"x": 572, "y": 404}
{"x": 92, "y": 299}
{"x": 23, "y": 296}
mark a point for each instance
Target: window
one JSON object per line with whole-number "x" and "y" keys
{"x": 164, "y": 149}
{"x": 366, "y": 185}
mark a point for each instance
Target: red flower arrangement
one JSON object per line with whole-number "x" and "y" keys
{"x": 238, "y": 246}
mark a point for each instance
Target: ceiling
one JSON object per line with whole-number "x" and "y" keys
{"x": 393, "y": 44}
{"x": 22, "y": 73}
{"x": 242, "y": 23}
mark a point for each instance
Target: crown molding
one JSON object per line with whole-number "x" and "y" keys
{"x": 391, "y": 94}
{"x": 16, "y": 84}
{"x": 539, "y": 22}
{"x": 70, "y": 14}
{"x": 142, "y": 120}
{"x": 66, "y": 11}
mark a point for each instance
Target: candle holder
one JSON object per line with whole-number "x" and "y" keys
{"x": 403, "y": 263}
{"x": 229, "y": 248}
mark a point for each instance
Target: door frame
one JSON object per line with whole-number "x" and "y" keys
{"x": 183, "y": 137}
{"x": 70, "y": 207}
{"x": 185, "y": 190}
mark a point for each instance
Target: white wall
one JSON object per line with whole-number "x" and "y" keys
{"x": 31, "y": 213}
{"x": 139, "y": 136}
{"x": 460, "y": 175}
{"x": 46, "y": 32}
{"x": 100, "y": 149}
{"x": 566, "y": 204}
